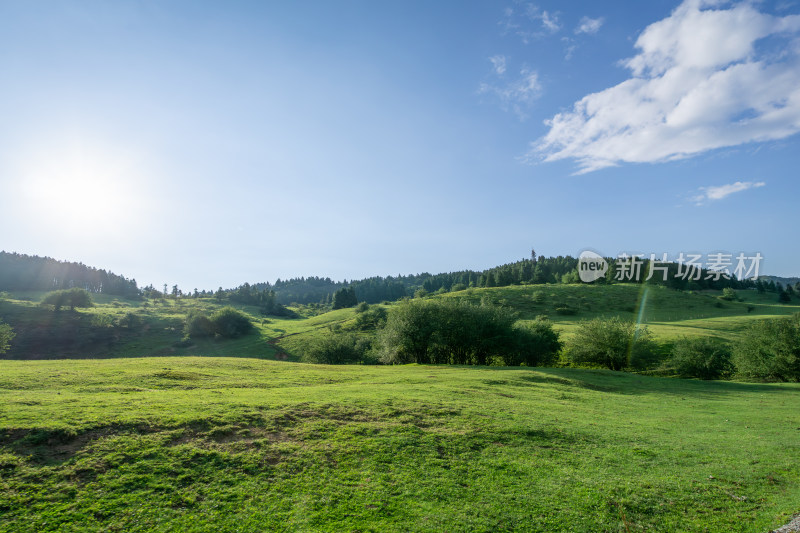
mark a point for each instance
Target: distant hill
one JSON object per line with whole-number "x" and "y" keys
{"x": 20, "y": 272}
{"x": 783, "y": 281}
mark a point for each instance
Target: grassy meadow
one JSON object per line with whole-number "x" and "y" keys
{"x": 121, "y": 424}
{"x": 231, "y": 444}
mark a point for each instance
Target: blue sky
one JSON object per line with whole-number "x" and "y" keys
{"x": 207, "y": 143}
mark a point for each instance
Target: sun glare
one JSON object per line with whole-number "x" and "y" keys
{"x": 89, "y": 190}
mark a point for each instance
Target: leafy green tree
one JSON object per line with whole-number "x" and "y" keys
{"x": 450, "y": 332}
{"x": 784, "y": 297}
{"x": 6, "y": 335}
{"x": 130, "y": 320}
{"x": 570, "y": 277}
{"x": 728, "y": 294}
{"x": 373, "y": 318}
{"x": 229, "y": 322}
{"x": 770, "y": 350}
{"x": 408, "y": 333}
{"x": 613, "y": 343}
{"x": 536, "y": 344}
{"x": 344, "y": 297}
{"x": 338, "y": 349}
{"x": 72, "y": 298}
{"x": 701, "y": 357}
{"x": 198, "y": 325}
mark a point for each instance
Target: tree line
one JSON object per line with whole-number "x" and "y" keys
{"x": 20, "y": 272}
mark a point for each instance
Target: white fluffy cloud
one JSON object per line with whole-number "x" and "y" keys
{"x": 699, "y": 82}
{"x": 719, "y": 192}
{"x": 589, "y": 25}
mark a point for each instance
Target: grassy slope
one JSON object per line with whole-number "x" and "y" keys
{"x": 669, "y": 314}
{"x": 221, "y": 444}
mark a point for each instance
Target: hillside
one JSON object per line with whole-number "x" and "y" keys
{"x": 202, "y": 444}
{"x": 783, "y": 281}
{"x": 118, "y": 327}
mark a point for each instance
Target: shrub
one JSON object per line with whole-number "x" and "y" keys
{"x": 226, "y": 322}
{"x": 338, "y": 349}
{"x": 198, "y": 325}
{"x": 362, "y": 307}
{"x": 612, "y": 343}
{"x": 374, "y": 318}
{"x": 728, "y": 294}
{"x": 102, "y": 320}
{"x": 644, "y": 353}
{"x": 770, "y": 350}
{"x": 230, "y": 323}
{"x": 537, "y": 344}
{"x": 6, "y": 334}
{"x": 130, "y": 320}
{"x": 703, "y": 358}
{"x": 449, "y": 332}
{"x": 71, "y": 298}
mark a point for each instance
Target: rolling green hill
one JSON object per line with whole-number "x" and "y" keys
{"x": 118, "y": 327}
{"x": 129, "y": 439}
{"x": 668, "y": 313}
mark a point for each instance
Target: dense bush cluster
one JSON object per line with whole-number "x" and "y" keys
{"x": 703, "y": 357}
{"x": 226, "y": 322}
{"x": 770, "y": 350}
{"x": 448, "y": 332}
{"x": 370, "y": 317}
{"x": 337, "y": 348}
{"x": 6, "y": 334}
{"x": 71, "y": 298}
{"x": 612, "y": 343}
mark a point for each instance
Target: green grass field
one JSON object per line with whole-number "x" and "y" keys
{"x": 224, "y": 444}
{"x": 118, "y": 430}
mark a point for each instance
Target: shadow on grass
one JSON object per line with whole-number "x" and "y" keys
{"x": 629, "y": 383}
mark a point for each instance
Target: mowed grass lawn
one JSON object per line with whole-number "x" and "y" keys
{"x": 228, "y": 444}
